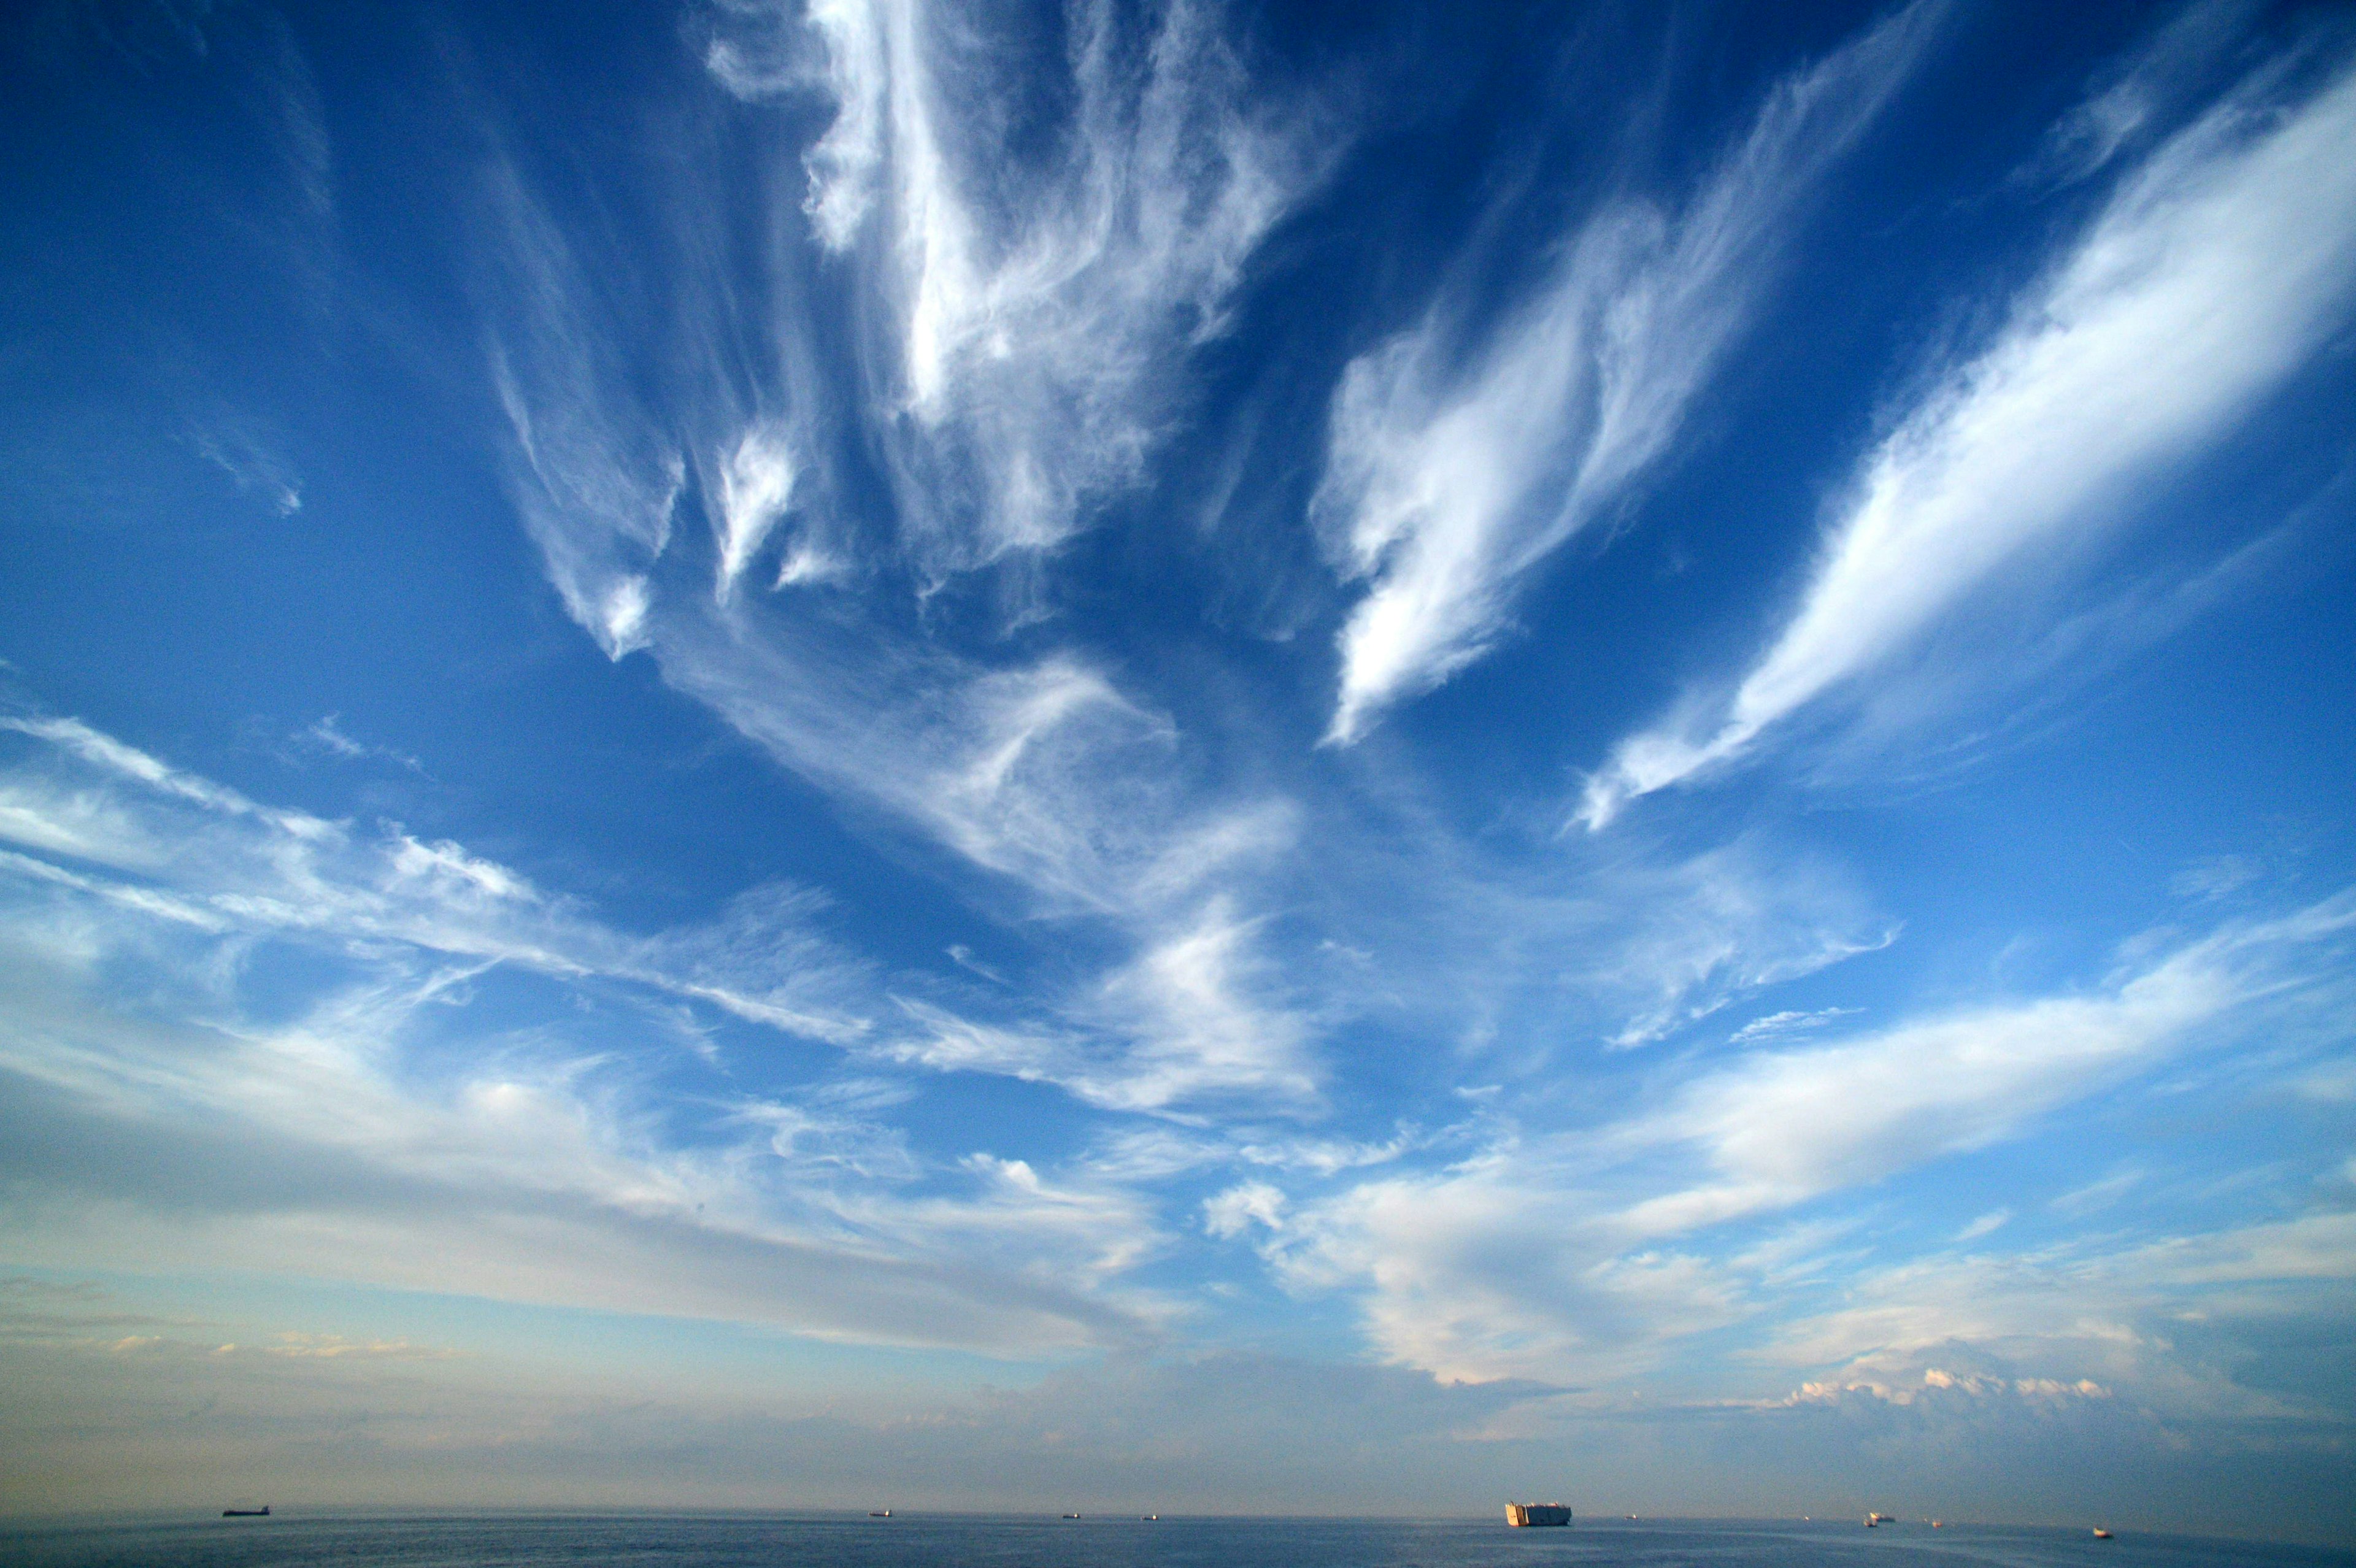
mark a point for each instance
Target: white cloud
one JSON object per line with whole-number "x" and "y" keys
{"x": 2217, "y": 876}
{"x": 2092, "y": 1317}
{"x": 1036, "y": 769}
{"x": 1500, "y": 1268}
{"x": 242, "y": 449}
{"x": 962, "y": 956}
{"x": 1778, "y": 1127}
{"x": 1719, "y": 926}
{"x": 2097, "y": 1195}
{"x": 1182, "y": 1018}
{"x": 1230, "y": 1213}
{"x": 297, "y": 1345}
{"x": 2138, "y": 90}
{"x": 1031, "y": 747}
{"x": 226, "y": 863}
{"x": 1096, "y": 1228}
{"x": 1185, "y": 1022}
{"x": 1328, "y": 1157}
{"x": 1030, "y": 306}
{"x": 951, "y": 1042}
{"x": 1049, "y": 777}
{"x": 997, "y": 334}
{"x": 1987, "y": 1224}
{"x": 1583, "y": 1255}
{"x": 523, "y": 1165}
{"x": 1938, "y": 1380}
{"x": 845, "y": 165}
{"x": 1192, "y": 1003}
{"x": 328, "y": 736}
{"x": 104, "y": 752}
{"x": 1775, "y": 1025}
{"x": 594, "y": 478}
{"x": 498, "y": 1424}
{"x": 756, "y": 485}
{"x": 1450, "y": 474}
{"x": 334, "y": 1147}
{"x": 2216, "y": 270}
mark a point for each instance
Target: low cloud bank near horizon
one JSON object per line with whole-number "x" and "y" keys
{"x": 1226, "y": 1433}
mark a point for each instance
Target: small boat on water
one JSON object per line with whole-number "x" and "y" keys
{"x": 879, "y": 1513}
{"x": 246, "y": 1511}
{"x": 1149, "y": 1519}
{"x": 1071, "y": 1515}
{"x": 1875, "y": 1520}
{"x": 2102, "y": 1534}
{"x": 1522, "y": 1514}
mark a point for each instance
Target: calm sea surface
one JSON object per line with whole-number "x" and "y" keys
{"x": 943, "y": 1540}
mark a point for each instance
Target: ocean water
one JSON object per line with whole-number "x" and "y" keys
{"x": 964, "y": 1540}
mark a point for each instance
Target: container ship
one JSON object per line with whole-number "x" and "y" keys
{"x": 1520, "y": 1514}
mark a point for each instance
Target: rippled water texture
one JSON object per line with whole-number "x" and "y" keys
{"x": 828, "y": 1541}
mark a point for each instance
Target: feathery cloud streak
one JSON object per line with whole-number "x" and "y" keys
{"x": 1032, "y": 308}
{"x": 1042, "y": 770}
{"x": 1781, "y": 1127}
{"x": 2218, "y": 268}
{"x": 1023, "y": 303}
{"x": 1455, "y": 470}
{"x": 210, "y": 858}
{"x": 1456, "y": 1275}
{"x": 389, "y": 1133}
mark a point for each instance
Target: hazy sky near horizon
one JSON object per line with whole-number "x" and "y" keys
{"x": 1181, "y": 756}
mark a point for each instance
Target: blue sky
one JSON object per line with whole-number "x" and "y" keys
{"x": 1181, "y": 756}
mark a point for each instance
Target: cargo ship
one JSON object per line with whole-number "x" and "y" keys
{"x": 1521, "y": 1514}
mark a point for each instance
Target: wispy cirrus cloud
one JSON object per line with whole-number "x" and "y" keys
{"x": 1722, "y": 925}
{"x": 1020, "y": 308}
{"x": 1455, "y": 468}
{"x": 1192, "y": 1016}
{"x": 326, "y": 737}
{"x": 594, "y": 477}
{"x": 1194, "y": 1019}
{"x": 1030, "y": 297}
{"x": 756, "y": 485}
{"x": 1779, "y": 1127}
{"x": 155, "y": 836}
{"x": 249, "y": 454}
{"x": 2219, "y": 267}
{"x": 2136, "y": 94}
{"x": 1777, "y": 1026}
{"x": 1055, "y": 782}
{"x": 1616, "y": 946}
{"x": 374, "y": 1141}
{"x": 1455, "y": 1273}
